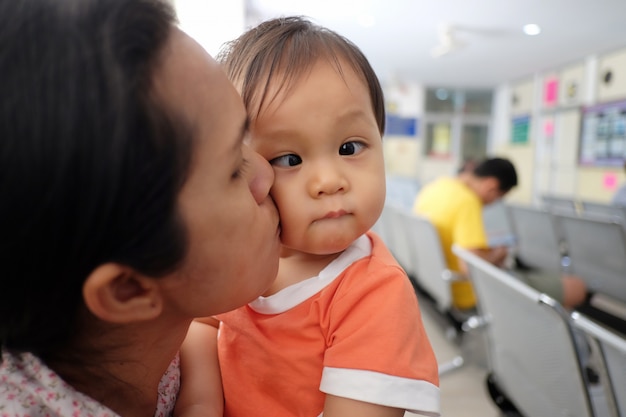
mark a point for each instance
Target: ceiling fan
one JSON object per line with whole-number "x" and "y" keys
{"x": 449, "y": 41}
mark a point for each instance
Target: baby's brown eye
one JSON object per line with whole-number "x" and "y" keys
{"x": 288, "y": 160}
{"x": 351, "y": 148}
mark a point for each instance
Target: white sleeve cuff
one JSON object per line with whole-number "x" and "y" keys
{"x": 416, "y": 396}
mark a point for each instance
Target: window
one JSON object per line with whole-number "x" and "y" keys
{"x": 457, "y": 122}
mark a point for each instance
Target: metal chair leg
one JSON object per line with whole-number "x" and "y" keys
{"x": 452, "y": 365}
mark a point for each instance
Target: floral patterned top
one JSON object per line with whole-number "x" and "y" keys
{"x": 28, "y": 388}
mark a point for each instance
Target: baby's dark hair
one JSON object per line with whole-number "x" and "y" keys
{"x": 284, "y": 49}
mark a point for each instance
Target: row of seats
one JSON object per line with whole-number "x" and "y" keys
{"x": 585, "y": 208}
{"x": 592, "y": 248}
{"x": 526, "y": 349}
{"x": 599, "y": 255}
{"x": 535, "y": 359}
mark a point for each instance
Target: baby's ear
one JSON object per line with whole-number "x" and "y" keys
{"x": 118, "y": 294}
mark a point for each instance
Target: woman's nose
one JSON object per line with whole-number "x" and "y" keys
{"x": 261, "y": 175}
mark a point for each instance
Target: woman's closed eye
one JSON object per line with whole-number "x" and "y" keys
{"x": 351, "y": 148}
{"x": 242, "y": 169}
{"x": 288, "y": 160}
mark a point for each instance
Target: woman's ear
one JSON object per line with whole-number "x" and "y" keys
{"x": 118, "y": 294}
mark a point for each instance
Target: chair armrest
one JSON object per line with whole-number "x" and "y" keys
{"x": 450, "y": 276}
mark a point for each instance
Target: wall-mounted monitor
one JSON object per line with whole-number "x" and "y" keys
{"x": 603, "y": 135}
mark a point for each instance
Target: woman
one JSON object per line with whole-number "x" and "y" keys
{"x": 129, "y": 205}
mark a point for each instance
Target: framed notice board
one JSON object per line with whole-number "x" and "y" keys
{"x": 603, "y": 134}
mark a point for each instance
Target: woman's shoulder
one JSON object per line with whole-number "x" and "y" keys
{"x": 30, "y": 388}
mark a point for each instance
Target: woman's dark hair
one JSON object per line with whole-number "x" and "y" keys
{"x": 90, "y": 162}
{"x": 284, "y": 49}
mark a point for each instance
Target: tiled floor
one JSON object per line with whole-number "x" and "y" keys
{"x": 463, "y": 392}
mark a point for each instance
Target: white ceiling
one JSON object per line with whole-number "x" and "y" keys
{"x": 404, "y": 32}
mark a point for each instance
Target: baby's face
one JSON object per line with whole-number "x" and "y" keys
{"x": 323, "y": 142}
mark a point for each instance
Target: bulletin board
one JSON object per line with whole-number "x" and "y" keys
{"x": 603, "y": 135}
{"x": 520, "y": 129}
{"x": 401, "y": 126}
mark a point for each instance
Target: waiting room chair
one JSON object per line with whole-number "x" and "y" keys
{"x": 560, "y": 204}
{"x": 432, "y": 273}
{"x": 532, "y": 355}
{"x": 401, "y": 191}
{"x": 597, "y": 250}
{"x": 497, "y": 224}
{"x": 609, "y": 212}
{"x": 611, "y": 347}
{"x": 538, "y": 242}
{"x": 382, "y": 227}
{"x": 399, "y": 240}
{"x": 434, "y": 277}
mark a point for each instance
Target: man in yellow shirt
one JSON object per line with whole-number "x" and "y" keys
{"x": 454, "y": 206}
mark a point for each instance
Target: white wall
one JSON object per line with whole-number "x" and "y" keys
{"x": 548, "y": 164}
{"x": 211, "y": 22}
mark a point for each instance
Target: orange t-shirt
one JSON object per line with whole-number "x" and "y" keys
{"x": 353, "y": 331}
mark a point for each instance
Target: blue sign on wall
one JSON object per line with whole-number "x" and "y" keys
{"x": 401, "y": 126}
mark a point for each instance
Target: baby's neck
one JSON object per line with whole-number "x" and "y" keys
{"x": 295, "y": 267}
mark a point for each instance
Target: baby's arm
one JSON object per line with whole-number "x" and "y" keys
{"x": 201, "y": 392}
{"x": 341, "y": 407}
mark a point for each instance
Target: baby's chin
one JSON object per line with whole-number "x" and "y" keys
{"x": 315, "y": 252}
{"x": 327, "y": 247}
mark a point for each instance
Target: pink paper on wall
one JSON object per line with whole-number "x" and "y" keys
{"x": 550, "y": 91}
{"x": 548, "y": 128}
{"x": 609, "y": 181}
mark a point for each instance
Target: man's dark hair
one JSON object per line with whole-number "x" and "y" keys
{"x": 501, "y": 169}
